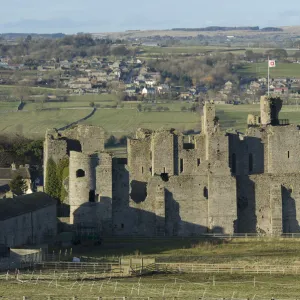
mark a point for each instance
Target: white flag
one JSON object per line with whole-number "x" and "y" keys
{"x": 272, "y": 64}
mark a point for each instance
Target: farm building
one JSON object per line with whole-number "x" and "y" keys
{"x": 27, "y": 219}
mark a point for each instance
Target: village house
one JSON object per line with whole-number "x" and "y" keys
{"x": 8, "y": 174}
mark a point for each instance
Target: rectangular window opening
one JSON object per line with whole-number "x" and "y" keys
{"x": 198, "y": 162}
{"x": 250, "y": 162}
{"x": 92, "y": 196}
{"x": 288, "y": 154}
{"x": 181, "y": 165}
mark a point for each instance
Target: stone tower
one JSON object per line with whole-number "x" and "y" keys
{"x": 82, "y": 185}
{"x": 209, "y": 118}
{"x": 269, "y": 110}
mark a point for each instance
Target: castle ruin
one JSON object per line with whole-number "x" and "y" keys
{"x": 217, "y": 182}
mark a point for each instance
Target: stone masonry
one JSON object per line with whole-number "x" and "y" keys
{"x": 215, "y": 182}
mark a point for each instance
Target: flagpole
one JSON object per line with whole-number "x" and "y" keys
{"x": 268, "y": 76}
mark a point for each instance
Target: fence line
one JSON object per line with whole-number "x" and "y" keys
{"x": 226, "y": 268}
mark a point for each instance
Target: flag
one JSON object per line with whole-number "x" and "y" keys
{"x": 272, "y": 64}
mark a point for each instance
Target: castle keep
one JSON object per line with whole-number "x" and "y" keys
{"x": 215, "y": 182}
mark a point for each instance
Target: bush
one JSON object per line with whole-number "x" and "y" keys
{"x": 55, "y": 175}
{"x": 18, "y": 185}
{"x": 52, "y": 181}
{"x": 111, "y": 141}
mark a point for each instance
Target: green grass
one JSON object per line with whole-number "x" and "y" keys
{"x": 8, "y": 105}
{"x": 183, "y": 286}
{"x": 262, "y": 251}
{"x": 122, "y": 121}
{"x": 34, "y": 124}
{"x": 39, "y": 105}
{"x": 94, "y": 98}
{"x": 257, "y": 251}
{"x": 188, "y": 286}
{"x": 261, "y": 70}
{"x": 7, "y": 89}
{"x": 235, "y": 116}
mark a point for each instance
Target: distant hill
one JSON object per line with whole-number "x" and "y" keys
{"x": 221, "y": 28}
{"x": 13, "y": 36}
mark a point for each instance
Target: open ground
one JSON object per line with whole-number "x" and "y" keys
{"x": 50, "y": 284}
{"x": 33, "y": 121}
{"x": 285, "y": 70}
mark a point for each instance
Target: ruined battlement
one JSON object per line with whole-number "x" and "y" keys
{"x": 212, "y": 182}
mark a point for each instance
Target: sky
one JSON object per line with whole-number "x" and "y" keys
{"x": 72, "y": 16}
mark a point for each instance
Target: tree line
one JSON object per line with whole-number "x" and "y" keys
{"x": 67, "y": 47}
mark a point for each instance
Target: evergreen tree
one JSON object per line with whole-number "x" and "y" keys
{"x": 18, "y": 185}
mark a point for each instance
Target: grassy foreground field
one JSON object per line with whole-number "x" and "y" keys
{"x": 258, "y": 251}
{"x": 254, "y": 251}
{"x": 184, "y": 286}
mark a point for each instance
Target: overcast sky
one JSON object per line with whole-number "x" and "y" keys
{"x": 72, "y": 16}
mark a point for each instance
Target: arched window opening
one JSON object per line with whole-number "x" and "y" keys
{"x": 250, "y": 162}
{"x": 233, "y": 163}
{"x": 198, "y": 162}
{"x": 205, "y": 192}
{"x": 164, "y": 177}
{"x": 288, "y": 154}
{"x": 80, "y": 173}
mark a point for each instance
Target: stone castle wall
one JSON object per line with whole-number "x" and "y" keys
{"x": 215, "y": 182}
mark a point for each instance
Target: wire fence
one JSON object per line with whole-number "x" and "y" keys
{"x": 228, "y": 268}
{"x": 58, "y": 287}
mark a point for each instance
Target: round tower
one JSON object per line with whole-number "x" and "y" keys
{"x": 82, "y": 184}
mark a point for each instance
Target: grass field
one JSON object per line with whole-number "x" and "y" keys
{"x": 122, "y": 121}
{"x": 261, "y": 251}
{"x": 261, "y": 70}
{"x": 238, "y": 252}
{"x": 179, "y": 286}
{"x": 8, "y": 105}
{"x": 235, "y": 117}
{"x": 187, "y": 49}
{"x": 148, "y": 51}
{"x": 34, "y": 123}
{"x": 94, "y": 98}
